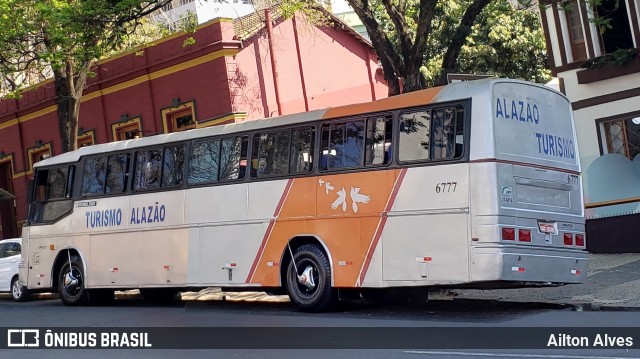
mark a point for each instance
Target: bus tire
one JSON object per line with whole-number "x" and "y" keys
{"x": 71, "y": 283}
{"x": 19, "y": 293}
{"x": 313, "y": 295}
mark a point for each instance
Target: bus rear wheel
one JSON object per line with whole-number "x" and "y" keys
{"x": 71, "y": 283}
{"x": 309, "y": 279}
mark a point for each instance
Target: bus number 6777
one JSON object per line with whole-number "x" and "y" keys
{"x": 446, "y": 187}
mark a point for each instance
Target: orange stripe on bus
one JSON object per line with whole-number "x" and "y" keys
{"x": 343, "y": 211}
{"x": 383, "y": 221}
{"x": 276, "y": 213}
{"x": 391, "y": 103}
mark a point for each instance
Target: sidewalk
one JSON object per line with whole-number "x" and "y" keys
{"x": 613, "y": 283}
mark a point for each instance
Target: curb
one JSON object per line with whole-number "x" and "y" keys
{"x": 496, "y": 303}
{"x": 611, "y": 308}
{"x": 576, "y": 307}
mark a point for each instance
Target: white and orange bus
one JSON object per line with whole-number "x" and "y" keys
{"x": 475, "y": 184}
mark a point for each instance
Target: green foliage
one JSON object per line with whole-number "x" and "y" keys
{"x": 65, "y": 38}
{"x": 602, "y": 21}
{"x": 469, "y": 36}
{"x": 140, "y": 33}
{"x": 506, "y": 42}
{"x": 189, "y": 41}
{"x": 618, "y": 58}
{"x": 311, "y": 10}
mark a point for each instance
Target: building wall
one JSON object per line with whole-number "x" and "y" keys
{"x": 337, "y": 69}
{"x": 227, "y": 81}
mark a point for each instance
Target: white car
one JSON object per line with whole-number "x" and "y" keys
{"x": 9, "y": 261}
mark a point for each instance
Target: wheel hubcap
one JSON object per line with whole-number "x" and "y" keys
{"x": 16, "y": 290}
{"x": 72, "y": 283}
{"x": 306, "y": 278}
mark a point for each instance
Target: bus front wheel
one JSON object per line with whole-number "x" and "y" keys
{"x": 309, "y": 279}
{"x": 18, "y": 293}
{"x": 71, "y": 283}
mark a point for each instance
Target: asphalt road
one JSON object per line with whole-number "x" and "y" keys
{"x": 245, "y": 323}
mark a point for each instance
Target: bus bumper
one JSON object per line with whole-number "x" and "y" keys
{"x": 535, "y": 265}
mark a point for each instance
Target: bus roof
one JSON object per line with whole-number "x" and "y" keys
{"x": 461, "y": 90}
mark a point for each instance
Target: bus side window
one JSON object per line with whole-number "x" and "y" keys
{"x": 414, "y": 136}
{"x": 173, "y": 166}
{"x": 302, "y": 145}
{"x": 255, "y": 147}
{"x": 325, "y": 151}
{"x": 273, "y": 154}
{"x": 94, "y": 176}
{"x": 233, "y": 158}
{"x": 244, "y": 156}
{"x": 345, "y": 148}
{"x": 459, "y": 132}
{"x": 147, "y": 170}
{"x": 117, "y": 168}
{"x": 378, "y": 150}
{"x": 204, "y": 162}
{"x": 443, "y": 139}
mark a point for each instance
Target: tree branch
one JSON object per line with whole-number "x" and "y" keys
{"x": 450, "y": 60}
{"x": 423, "y": 28}
{"x": 391, "y": 61}
{"x": 401, "y": 28}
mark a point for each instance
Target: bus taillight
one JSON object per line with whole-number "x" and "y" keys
{"x": 568, "y": 239}
{"x": 508, "y": 234}
{"x": 580, "y": 240}
{"x": 524, "y": 235}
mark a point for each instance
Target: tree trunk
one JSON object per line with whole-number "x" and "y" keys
{"x": 69, "y": 88}
{"x": 67, "y": 115}
{"x": 412, "y": 78}
{"x": 450, "y": 59}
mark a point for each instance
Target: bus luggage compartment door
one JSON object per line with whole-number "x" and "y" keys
{"x": 430, "y": 248}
